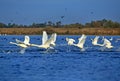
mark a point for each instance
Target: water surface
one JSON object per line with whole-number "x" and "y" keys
{"x": 63, "y": 63}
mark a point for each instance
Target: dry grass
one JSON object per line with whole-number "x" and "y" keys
{"x": 62, "y": 31}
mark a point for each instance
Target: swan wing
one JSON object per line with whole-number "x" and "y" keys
{"x": 107, "y": 42}
{"x": 96, "y": 40}
{"x": 49, "y": 41}
{"x": 81, "y": 41}
{"x": 35, "y": 45}
{"x": 54, "y": 37}
{"x": 20, "y": 44}
{"x": 27, "y": 40}
{"x": 13, "y": 43}
{"x": 18, "y": 41}
{"x": 44, "y": 37}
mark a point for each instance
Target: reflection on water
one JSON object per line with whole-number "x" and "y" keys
{"x": 63, "y": 63}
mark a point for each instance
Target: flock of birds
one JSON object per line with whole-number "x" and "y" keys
{"x": 51, "y": 42}
{"x": 46, "y": 43}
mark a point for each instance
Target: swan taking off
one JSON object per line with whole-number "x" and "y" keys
{"x": 45, "y": 41}
{"x": 95, "y": 41}
{"x": 70, "y": 41}
{"x": 81, "y": 41}
{"x": 24, "y": 43}
{"x": 45, "y": 38}
{"x": 107, "y": 43}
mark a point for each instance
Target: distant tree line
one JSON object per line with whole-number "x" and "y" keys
{"x": 93, "y": 24}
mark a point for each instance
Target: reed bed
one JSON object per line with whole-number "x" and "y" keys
{"x": 60, "y": 31}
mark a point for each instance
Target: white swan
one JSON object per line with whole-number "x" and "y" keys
{"x": 107, "y": 43}
{"x": 45, "y": 38}
{"x": 70, "y": 41}
{"x": 81, "y": 41}
{"x": 45, "y": 41}
{"x": 23, "y": 44}
{"x": 26, "y": 41}
{"x": 95, "y": 41}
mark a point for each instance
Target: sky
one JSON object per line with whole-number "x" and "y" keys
{"x": 67, "y": 11}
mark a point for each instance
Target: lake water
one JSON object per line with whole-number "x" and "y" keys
{"x": 63, "y": 63}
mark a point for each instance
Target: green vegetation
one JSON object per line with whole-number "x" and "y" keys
{"x": 93, "y": 24}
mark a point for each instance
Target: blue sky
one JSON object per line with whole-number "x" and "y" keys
{"x": 38, "y": 11}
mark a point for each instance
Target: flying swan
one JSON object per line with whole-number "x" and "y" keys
{"x": 45, "y": 41}
{"x": 23, "y": 44}
{"x": 95, "y": 41}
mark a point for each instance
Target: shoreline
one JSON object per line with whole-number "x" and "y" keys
{"x": 60, "y": 31}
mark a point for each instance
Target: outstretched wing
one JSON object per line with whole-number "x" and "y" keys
{"x": 44, "y": 37}
{"x": 18, "y": 41}
{"x": 27, "y": 40}
{"x": 54, "y": 37}
{"x": 51, "y": 40}
{"x": 81, "y": 41}
{"x": 107, "y": 42}
{"x": 95, "y": 40}
{"x": 48, "y": 42}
